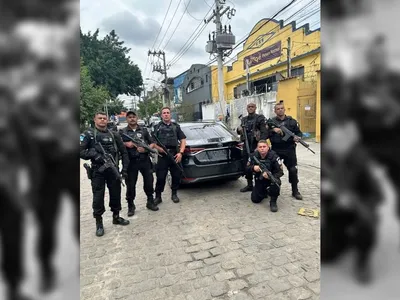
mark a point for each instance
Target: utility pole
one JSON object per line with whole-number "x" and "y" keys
{"x": 248, "y": 75}
{"x": 162, "y": 70}
{"x": 223, "y": 40}
{"x": 289, "y": 59}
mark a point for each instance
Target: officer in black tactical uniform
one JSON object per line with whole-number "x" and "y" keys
{"x": 286, "y": 149}
{"x": 271, "y": 160}
{"x": 256, "y": 130}
{"x": 112, "y": 144}
{"x": 12, "y": 204}
{"x": 169, "y": 134}
{"x": 375, "y": 96}
{"x": 139, "y": 161}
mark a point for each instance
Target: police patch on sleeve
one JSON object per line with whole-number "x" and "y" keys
{"x": 82, "y": 137}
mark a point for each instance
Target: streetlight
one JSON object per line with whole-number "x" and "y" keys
{"x": 153, "y": 80}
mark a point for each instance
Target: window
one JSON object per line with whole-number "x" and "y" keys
{"x": 195, "y": 84}
{"x": 207, "y": 132}
{"x": 299, "y": 71}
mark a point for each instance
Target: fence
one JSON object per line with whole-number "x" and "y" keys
{"x": 264, "y": 102}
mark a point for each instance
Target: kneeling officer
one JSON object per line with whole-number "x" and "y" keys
{"x": 267, "y": 170}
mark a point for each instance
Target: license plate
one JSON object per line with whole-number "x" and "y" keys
{"x": 217, "y": 154}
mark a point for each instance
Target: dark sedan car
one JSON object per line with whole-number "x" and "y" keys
{"x": 212, "y": 152}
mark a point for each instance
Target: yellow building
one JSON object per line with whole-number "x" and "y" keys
{"x": 266, "y": 53}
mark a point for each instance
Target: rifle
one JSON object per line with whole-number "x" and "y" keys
{"x": 109, "y": 163}
{"x": 272, "y": 124}
{"x": 264, "y": 169}
{"x": 246, "y": 141}
{"x": 139, "y": 143}
{"x": 169, "y": 155}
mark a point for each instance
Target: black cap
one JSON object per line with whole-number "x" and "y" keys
{"x": 131, "y": 112}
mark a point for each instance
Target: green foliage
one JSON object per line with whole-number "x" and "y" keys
{"x": 150, "y": 106}
{"x": 109, "y": 64}
{"x": 115, "y": 107}
{"x": 92, "y": 98}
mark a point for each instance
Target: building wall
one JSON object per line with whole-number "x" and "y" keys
{"x": 318, "y": 118}
{"x": 192, "y": 99}
{"x": 288, "y": 92}
{"x": 305, "y": 53}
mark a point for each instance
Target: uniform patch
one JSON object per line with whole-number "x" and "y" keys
{"x": 139, "y": 135}
{"x": 81, "y": 137}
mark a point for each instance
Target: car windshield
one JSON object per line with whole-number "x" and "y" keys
{"x": 206, "y": 132}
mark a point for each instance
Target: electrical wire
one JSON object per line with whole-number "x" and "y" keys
{"x": 177, "y": 25}
{"x": 169, "y": 25}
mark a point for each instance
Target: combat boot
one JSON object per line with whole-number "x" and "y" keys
{"x": 151, "y": 205}
{"x": 174, "y": 197}
{"x": 249, "y": 186}
{"x": 48, "y": 279}
{"x": 272, "y": 205}
{"x": 99, "y": 226}
{"x": 363, "y": 272}
{"x": 15, "y": 294}
{"x": 131, "y": 209}
{"x": 158, "y": 199}
{"x": 117, "y": 220}
{"x": 295, "y": 192}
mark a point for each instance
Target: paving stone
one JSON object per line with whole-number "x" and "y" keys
{"x": 312, "y": 276}
{"x": 245, "y": 271}
{"x": 238, "y": 284}
{"x": 218, "y": 289}
{"x": 261, "y": 291}
{"x": 201, "y": 255}
{"x": 195, "y": 265}
{"x": 224, "y": 276}
{"x": 216, "y": 251}
{"x": 279, "y": 285}
{"x": 214, "y": 244}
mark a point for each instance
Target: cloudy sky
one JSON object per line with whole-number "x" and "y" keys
{"x": 138, "y": 23}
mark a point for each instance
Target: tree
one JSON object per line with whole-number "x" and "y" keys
{"x": 109, "y": 64}
{"x": 149, "y": 106}
{"x": 115, "y": 107}
{"x": 92, "y": 98}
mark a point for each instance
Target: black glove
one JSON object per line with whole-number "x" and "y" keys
{"x": 124, "y": 174}
{"x": 91, "y": 153}
{"x": 98, "y": 159}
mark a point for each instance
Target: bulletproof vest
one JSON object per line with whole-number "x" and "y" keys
{"x": 107, "y": 140}
{"x": 138, "y": 133}
{"x": 276, "y": 139}
{"x": 167, "y": 135}
{"x": 267, "y": 161}
{"x": 250, "y": 125}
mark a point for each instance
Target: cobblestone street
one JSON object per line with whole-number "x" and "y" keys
{"x": 214, "y": 244}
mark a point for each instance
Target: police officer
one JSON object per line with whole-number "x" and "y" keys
{"x": 286, "y": 149}
{"x": 256, "y": 130}
{"x": 12, "y": 209}
{"x": 169, "y": 134}
{"x": 139, "y": 160}
{"x": 262, "y": 182}
{"x": 112, "y": 144}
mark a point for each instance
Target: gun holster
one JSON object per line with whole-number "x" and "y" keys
{"x": 89, "y": 171}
